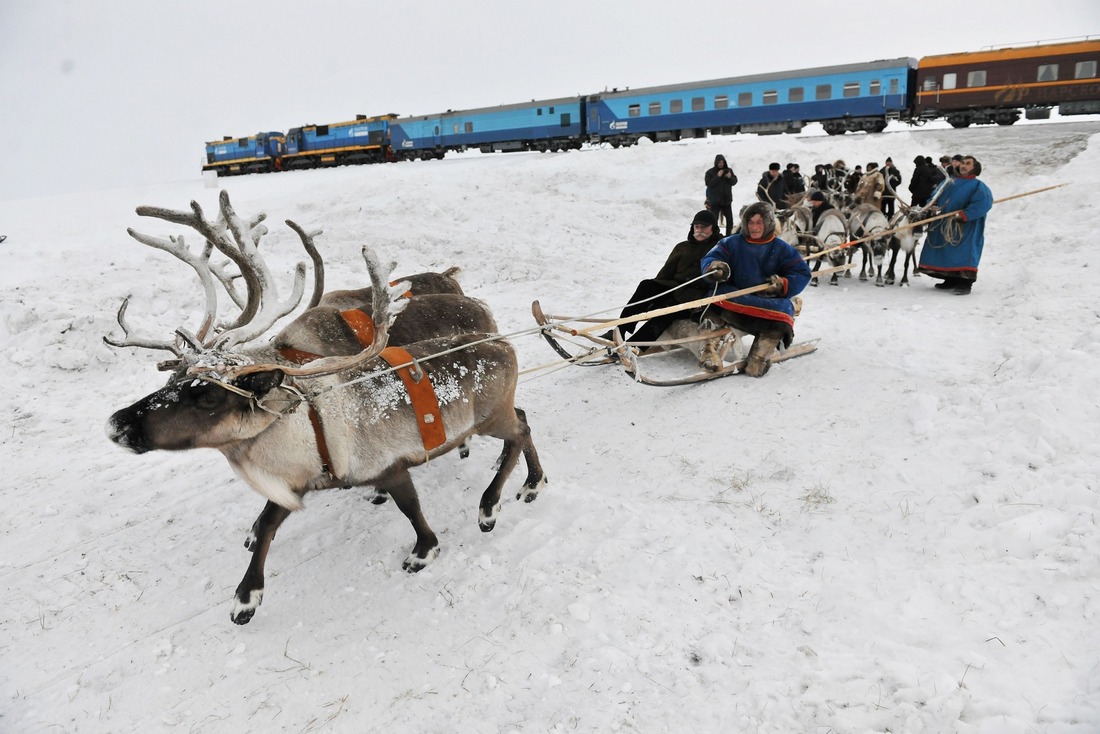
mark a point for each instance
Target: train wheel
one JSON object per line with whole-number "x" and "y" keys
{"x": 958, "y": 121}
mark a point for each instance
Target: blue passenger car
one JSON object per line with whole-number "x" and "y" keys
{"x": 362, "y": 140}
{"x": 257, "y": 153}
{"x": 843, "y": 98}
{"x": 552, "y": 124}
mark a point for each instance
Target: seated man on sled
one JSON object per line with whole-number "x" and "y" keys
{"x": 755, "y": 256}
{"x": 670, "y": 286}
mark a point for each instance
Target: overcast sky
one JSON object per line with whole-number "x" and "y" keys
{"x": 96, "y": 94}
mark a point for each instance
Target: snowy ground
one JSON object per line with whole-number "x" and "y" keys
{"x": 898, "y": 533}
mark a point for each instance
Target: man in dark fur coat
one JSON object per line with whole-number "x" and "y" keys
{"x": 681, "y": 266}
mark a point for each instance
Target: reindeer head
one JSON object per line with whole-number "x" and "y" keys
{"x": 222, "y": 391}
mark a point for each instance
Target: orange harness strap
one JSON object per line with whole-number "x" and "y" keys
{"x": 362, "y": 324}
{"x": 424, "y": 401}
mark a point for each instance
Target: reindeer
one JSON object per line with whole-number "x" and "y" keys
{"x": 830, "y": 232}
{"x": 291, "y": 429}
{"x": 905, "y": 239}
{"x": 420, "y": 284}
{"x": 864, "y": 222}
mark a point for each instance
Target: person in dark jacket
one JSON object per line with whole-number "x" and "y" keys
{"x": 720, "y": 181}
{"x": 770, "y": 189}
{"x": 793, "y": 183}
{"x": 681, "y": 266}
{"x": 852, "y": 182}
{"x": 756, "y": 256}
{"x": 820, "y": 204}
{"x": 925, "y": 179}
{"x": 892, "y": 177}
{"x": 820, "y": 179}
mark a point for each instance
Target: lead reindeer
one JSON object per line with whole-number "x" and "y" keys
{"x": 290, "y": 429}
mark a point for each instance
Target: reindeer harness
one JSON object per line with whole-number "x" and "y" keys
{"x": 425, "y": 403}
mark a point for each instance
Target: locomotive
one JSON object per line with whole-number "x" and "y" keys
{"x": 983, "y": 87}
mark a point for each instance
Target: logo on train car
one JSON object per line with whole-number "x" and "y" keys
{"x": 358, "y": 132}
{"x": 221, "y": 150}
{"x": 406, "y": 143}
{"x": 620, "y": 125}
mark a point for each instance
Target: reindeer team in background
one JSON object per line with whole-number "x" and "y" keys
{"x": 854, "y": 204}
{"x": 332, "y": 400}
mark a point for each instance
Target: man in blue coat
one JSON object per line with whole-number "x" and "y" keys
{"x": 954, "y": 245}
{"x": 755, "y": 256}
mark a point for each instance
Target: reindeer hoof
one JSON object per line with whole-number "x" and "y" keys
{"x": 463, "y": 450}
{"x": 415, "y": 563}
{"x": 377, "y": 497}
{"x": 487, "y": 520}
{"x": 243, "y": 611}
{"x": 531, "y": 489}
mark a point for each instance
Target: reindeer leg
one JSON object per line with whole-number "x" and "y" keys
{"x": 489, "y": 506}
{"x": 250, "y": 592}
{"x": 894, "y": 248}
{"x": 536, "y": 478}
{"x": 401, "y": 488}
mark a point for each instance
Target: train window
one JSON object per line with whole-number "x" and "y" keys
{"x": 1047, "y": 73}
{"x": 744, "y": 99}
{"x": 721, "y": 102}
{"x": 565, "y": 118}
{"x": 676, "y": 105}
{"x": 975, "y": 78}
{"x": 770, "y": 96}
{"x": 823, "y": 91}
{"x": 698, "y": 104}
{"x": 875, "y": 89}
{"x": 242, "y": 143}
{"x": 1084, "y": 70}
{"x": 796, "y": 94}
{"x": 654, "y": 108}
{"x": 538, "y": 112}
{"x": 454, "y": 128}
{"x": 322, "y": 130}
{"x": 851, "y": 89}
{"x": 469, "y": 127}
{"x": 436, "y": 130}
{"x": 929, "y": 84}
{"x": 635, "y": 110}
{"x": 893, "y": 86}
{"x": 950, "y": 81}
{"x": 551, "y": 110}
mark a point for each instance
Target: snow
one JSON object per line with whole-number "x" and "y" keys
{"x": 896, "y": 533}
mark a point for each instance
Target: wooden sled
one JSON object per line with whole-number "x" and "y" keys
{"x": 605, "y": 351}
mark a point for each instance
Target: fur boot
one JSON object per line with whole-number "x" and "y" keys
{"x": 760, "y": 354}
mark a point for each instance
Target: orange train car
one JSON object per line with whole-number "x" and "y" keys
{"x": 994, "y": 86}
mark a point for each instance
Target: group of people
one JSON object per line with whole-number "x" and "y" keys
{"x": 707, "y": 263}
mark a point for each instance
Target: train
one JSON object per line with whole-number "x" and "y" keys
{"x": 982, "y": 87}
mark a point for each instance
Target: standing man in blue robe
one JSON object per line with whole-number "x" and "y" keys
{"x": 954, "y": 245}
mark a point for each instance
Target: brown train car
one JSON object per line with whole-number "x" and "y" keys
{"x": 993, "y": 86}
